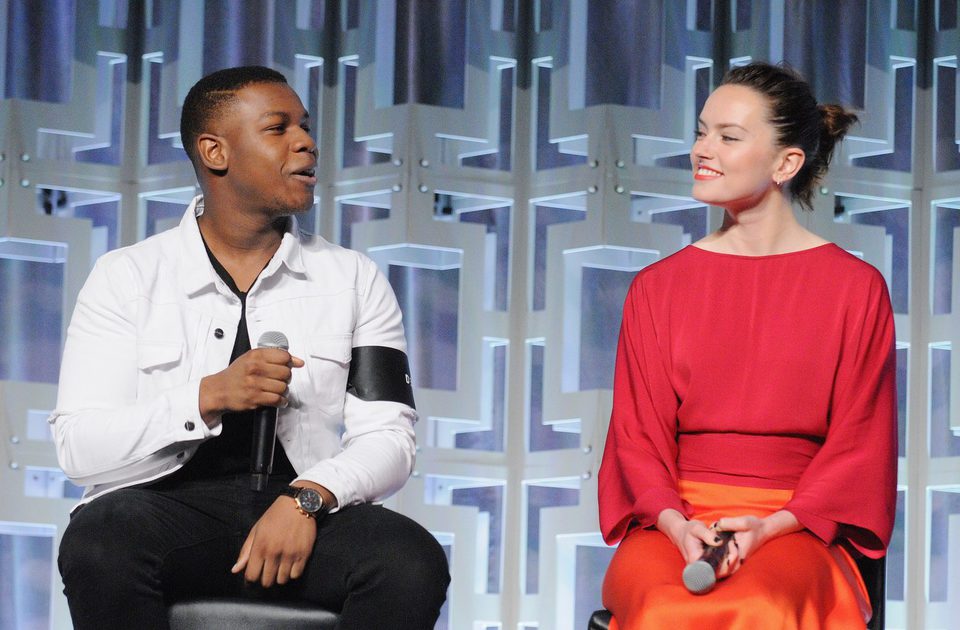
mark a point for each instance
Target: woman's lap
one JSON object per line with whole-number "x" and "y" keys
{"x": 794, "y": 581}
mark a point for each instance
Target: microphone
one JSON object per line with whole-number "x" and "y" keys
{"x": 700, "y": 577}
{"x": 265, "y": 425}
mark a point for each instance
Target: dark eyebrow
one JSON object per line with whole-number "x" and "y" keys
{"x": 722, "y": 125}
{"x": 284, "y": 116}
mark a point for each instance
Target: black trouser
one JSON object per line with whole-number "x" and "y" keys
{"x": 128, "y": 554}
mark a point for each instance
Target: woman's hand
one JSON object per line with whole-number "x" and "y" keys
{"x": 750, "y": 534}
{"x": 689, "y": 536}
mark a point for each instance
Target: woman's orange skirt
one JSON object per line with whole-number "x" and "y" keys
{"x": 793, "y": 582}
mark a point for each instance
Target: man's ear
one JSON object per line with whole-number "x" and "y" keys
{"x": 791, "y": 161}
{"x": 212, "y": 151}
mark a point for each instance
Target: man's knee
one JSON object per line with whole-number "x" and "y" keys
{"x": 414, "y": 561}
{"x": 99, "y": 536}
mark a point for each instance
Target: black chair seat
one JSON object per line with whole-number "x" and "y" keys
{"x": 241, "y": 614}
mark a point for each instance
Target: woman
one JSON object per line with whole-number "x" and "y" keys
{"x": 754, "y": 390}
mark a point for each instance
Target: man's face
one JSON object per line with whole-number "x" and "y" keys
{"x": 271, "y": 157}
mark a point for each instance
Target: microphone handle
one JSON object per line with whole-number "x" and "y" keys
{"x": 265, "y": 424}
{"x": 264, "y": 440}
{"x": 714, "y": 556}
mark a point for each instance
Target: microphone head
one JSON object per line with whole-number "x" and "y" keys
{"x": 273, "y": 339}
{"x": 699, "y": 577}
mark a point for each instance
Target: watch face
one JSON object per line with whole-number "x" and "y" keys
{"x": 310, "y": 501}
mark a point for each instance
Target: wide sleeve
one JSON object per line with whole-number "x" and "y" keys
{"x": 105, "y": 432}
{"x": 378, "y": 445}
{"x": 638, "y": 471}
{"x": 849, "y": 489}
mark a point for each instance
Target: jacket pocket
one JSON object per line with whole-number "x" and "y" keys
{"x": 159, "y": 366}
{"x": 328, "y": 364}
{"x": 153, "y": 355}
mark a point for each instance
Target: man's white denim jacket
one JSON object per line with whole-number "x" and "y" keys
{"x": 143, "y": 335}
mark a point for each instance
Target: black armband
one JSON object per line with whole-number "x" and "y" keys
{"x": 380, "y": 373}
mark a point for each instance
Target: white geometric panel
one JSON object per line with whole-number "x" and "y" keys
{"x": 27, "y": 553}
{"x": 55, "y": 143}
{"x": 945, "y": 219}
{"x": 487, "y": 495}
{"x": 943, "y": 578}
{"x": 456, "y": 432}
{"x": 102, "y": 208}
{"x": 943, "y": 425}
{"x": 160, "y": 210}
{"x": 673, "y": 132}
{"x": 875, "y": 134}
{"x": 949, "y": 65}
{"x": 357, "y": 208}
{"x": 32, "y": 283}
{"x": 614, "y": 259}
{"x": 893, "y": 216}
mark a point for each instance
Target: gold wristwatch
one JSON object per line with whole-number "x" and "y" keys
{"x": 309, "y": 501}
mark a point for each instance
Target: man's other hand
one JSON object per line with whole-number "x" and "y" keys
{"x": 278, "y": 546}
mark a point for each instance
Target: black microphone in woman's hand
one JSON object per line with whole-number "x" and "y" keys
{"x": 265, "y": 424}
{"x": 700, "y": 577}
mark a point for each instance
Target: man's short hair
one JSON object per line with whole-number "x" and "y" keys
{"x": 208, "y": 97}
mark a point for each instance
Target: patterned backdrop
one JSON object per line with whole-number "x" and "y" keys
{"x": 509, "y": 164}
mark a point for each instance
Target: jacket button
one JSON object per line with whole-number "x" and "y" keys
{"x": 218, "y": 333}
{"x": 189, "y": 425}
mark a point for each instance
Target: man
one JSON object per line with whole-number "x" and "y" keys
{"x": 159, "y": 387}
